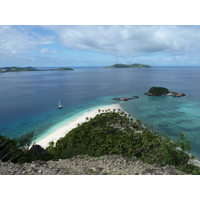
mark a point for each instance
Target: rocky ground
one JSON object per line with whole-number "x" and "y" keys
{"x": 85, "y": 165}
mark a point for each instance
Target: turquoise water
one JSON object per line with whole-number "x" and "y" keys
{"x": 28, "y": 100}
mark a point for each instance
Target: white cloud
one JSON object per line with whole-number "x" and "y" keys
{"x": 130, "y": 40}
{"x": 127, "y": 44}
{"x": 46, "y": 51}
{"x": 15, "y": 40}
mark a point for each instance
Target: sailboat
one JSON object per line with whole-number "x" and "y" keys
{"x": 60, "y": 105}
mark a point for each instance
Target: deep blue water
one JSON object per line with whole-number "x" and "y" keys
{"x": 29, "y": 100}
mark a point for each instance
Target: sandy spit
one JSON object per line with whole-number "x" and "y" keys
{"x": 68, "y": 126}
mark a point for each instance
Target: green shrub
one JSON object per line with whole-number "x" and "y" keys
{"x": 22, "y": 160}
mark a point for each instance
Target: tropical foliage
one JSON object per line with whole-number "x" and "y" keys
{"x": 8, "y": 149}
{"x": 136, "y": 65}
{"x": 116, "y": 133}
{"x": 63, "y": 69}
{"x": 19, "y": 69}
{"x": 109, "y": 133}
{"x": 14, "y": 149}
{"x": 17, "y": 150}
{"x": 158, "y": 90}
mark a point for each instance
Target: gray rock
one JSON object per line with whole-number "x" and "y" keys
{"x": 82, "y": 165}
{"x": 33, "y": 165}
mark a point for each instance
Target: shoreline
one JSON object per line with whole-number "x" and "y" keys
{"x": 63, "y": 129}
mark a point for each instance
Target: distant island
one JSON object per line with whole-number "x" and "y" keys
{"x": 161, "y": 91}
{"x": 62, "y": 69}
{"x": 136, "y": 65}
{"x": 21, "y": 69}
{"x": 18, "y": 69}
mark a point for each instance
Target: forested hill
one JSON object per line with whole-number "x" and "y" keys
{"x": 109, "y": 133}
{"x": 18, "y": 69}
{"x": 136, "y": 65}
{"x": 22, "y": 69}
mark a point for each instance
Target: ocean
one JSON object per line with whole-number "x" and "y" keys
{"x": 29, "y": 100}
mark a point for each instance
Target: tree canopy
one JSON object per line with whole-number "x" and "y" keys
{"x": 21, "y": 69}
{"x": 115, "y": 133}
{"x": 136, "y": 65}
{"x": 158, "y": 90}
{"x": 109, "y": 133}
{"x": 63, "y": 69}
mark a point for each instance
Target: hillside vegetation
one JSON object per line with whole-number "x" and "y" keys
{"x": 158, "y": 90}
{"x": 63, "y": 69}
{"x": 109, "y": 133}
{"x": 22, "y": 69}
{"x": 19, "y": 69}
{"x": 136, "y": 65}
{"x": 115, "y": 133}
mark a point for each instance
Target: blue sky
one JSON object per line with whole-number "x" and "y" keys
{"x": 99, "y": 45}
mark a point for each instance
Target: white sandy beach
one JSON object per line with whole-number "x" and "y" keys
{"x": 65, "y": 128}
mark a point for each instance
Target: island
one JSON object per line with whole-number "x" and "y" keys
{"x": 161, "y": 91}
{"x": 62, "y": 69}
{"x": 18, "y": 69}
{"x": 22, "y": 69}
{"x": 136, "y": 65}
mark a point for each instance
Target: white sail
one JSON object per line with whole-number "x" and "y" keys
{"x": 59, "y": 105}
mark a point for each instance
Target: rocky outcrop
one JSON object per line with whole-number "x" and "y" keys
{"x": 176, "y": 94}
{"x": 151, "y": 94}
{"x": 173, "y": 94}
{"x": 122, "y": 98}
{"x": 86, "y": 165}
{"x": 37, "y": 149}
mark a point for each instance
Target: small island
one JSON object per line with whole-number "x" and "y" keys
{"x": 22, "y": 69}
{"x": 18, "y": 69}
{"x": 161, "y": 91}
{"x": 136, "y": 65}
{"x": 62, "y": 69}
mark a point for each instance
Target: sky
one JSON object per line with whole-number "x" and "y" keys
{"x": 99, "y": 45}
